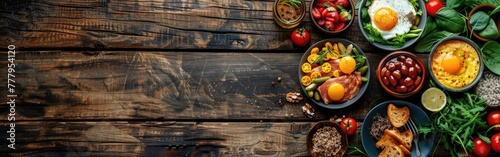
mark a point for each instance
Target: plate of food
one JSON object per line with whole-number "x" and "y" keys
{"x": 334, "y": 73}
{"x": 383, "y": 129}
{"x": 392, "y": 25}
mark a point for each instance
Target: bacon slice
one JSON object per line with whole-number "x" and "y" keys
{"x": 352, "y": 85}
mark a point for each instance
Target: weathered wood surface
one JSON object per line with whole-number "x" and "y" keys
{"x": 167, "y": 138}
{"x": 166, "y": 85}
{"x": 151, "y": 24}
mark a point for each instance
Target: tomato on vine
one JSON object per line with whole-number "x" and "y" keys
{"x": 300, "y": 37}
{"x": 481, "y": 148}
{"x": 349, "y": 125}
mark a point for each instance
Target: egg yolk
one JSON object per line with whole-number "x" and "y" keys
{"x": 336, "y": 91}
{"x": 385, "y": 18}
{"x": 451, "y": 64}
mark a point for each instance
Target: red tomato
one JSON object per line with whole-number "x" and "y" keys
{"x": 349, "y": 125}
{"x": 493, "y": 118}
{"x": 495, "y": 142}
{"x": 343, "y": 3}
{"x": 300, "y": 37}
{"x": 433, "y": 6}
{"x": 481, "y": 148}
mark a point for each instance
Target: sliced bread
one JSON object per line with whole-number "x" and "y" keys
{"x": 398, "y": 116}
{"x": 391, "y": 151}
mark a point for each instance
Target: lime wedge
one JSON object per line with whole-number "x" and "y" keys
{"x": 433, "y": 99}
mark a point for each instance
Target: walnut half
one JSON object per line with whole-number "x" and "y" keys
{"x": 294, "y": 97}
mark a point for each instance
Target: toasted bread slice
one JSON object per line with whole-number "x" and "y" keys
{"x": 385, "y": 141}
{"x": 401, "y": 138}
{"x": 398, "y": 116}
{"x": 391, "y": 151}
{"x": 405, "y": 151}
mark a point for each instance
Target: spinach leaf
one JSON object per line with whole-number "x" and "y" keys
{"x": 450, "y": 20}
{"x": 479, "y": 20}
{"x": 426, "y": 43}
{"x": 491, "y": 31}
{"x": 429, "y": 26}
{"x": 491, "y": 56}
{"x": 454, "y": 3}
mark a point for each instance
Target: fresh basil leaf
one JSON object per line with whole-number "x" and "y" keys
{"x": 479, "y": 20}
{"x": 491, "y": 30}
{"x": 450, "y": 20}
{"x": 368, "y": 3}
{"x": 364, "y": 14}
{"x": 454, "y": 3}
{"x": 426, "y": 43}
{"x": 491, "y": 56}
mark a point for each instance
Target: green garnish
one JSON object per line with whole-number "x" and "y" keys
{"x": 295, "y": 3}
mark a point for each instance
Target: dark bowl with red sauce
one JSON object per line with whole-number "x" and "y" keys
{"x": 401, "y": 74}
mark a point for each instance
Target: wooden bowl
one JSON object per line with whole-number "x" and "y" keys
{"x": 411, "y": 90}
{"x": 322, "y": 124}
{"x": 486, "y": 8}
{"x": 348, "y": 24}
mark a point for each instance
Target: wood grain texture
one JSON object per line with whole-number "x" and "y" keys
{"x": 166, "y": 85}
{"x": 151, "y": 24}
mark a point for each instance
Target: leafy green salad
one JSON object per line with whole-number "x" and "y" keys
{"x": 374, "y": 35}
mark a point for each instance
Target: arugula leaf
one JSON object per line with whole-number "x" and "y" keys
{"x": 491, "y": 57}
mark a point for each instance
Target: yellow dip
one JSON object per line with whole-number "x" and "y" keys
{"x": 455, "y": 63}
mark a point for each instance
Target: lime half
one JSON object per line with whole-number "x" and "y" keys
{"x": 433, "y": 99}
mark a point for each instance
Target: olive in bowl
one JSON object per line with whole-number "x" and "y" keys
{"x": 455, "y": 64}
{"x": 332, "y": 16}
{"x": 401, "y": 74}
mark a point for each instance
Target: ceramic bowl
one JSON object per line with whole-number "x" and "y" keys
{"x": 322, "y": 124}
{"x": 480, "y": 62}
{"x": 486, "y": 8}
{"x": 364, "y": 85}
{"x": 421, "y": 25}
{"x": 392, "y": 89}
{"x": 330, "y": 32}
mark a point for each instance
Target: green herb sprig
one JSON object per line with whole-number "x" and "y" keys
{"x": 295, "y": 3}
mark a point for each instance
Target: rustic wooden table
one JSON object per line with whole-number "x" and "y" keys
{"x": 159, "y": 78}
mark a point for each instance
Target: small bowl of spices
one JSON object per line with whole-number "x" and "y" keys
{"x": 289, "y": 13}
{"x": 326, "y": 139}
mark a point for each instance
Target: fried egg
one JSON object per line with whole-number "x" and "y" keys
{"x": 391, "y": 17}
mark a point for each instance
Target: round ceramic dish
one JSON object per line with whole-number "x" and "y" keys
{"x": 363, "y": 86}
{"x": 481, "y": 66}
{"x": 348, "y": 24}
{"x": 416, "y": 114}
{"x": 322, "y": 124}
{"x": 393, "y": 55}
{"x": 421, "y": 25}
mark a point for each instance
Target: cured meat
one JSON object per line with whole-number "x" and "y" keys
{"x": 335, "y": 66}
{"x": 352, "y": 85}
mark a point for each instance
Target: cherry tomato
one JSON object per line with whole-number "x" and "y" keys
{"x": 343, "y": 3}
{"x": 481, "y": 148}
{"x": 495, "y": 142}
{"x": 349, "y": 125}
{"x": 493, "y": 118}
{"x": 433, "y": 6}
{"x": 300, "y": 37}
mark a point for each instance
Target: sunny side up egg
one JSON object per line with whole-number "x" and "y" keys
{"x": 391, "y": 17}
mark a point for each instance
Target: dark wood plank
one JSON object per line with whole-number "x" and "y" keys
{"x": 159, "y": 24}
{"x": 73, "y": 85}
{"x": 155, "y": 138}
